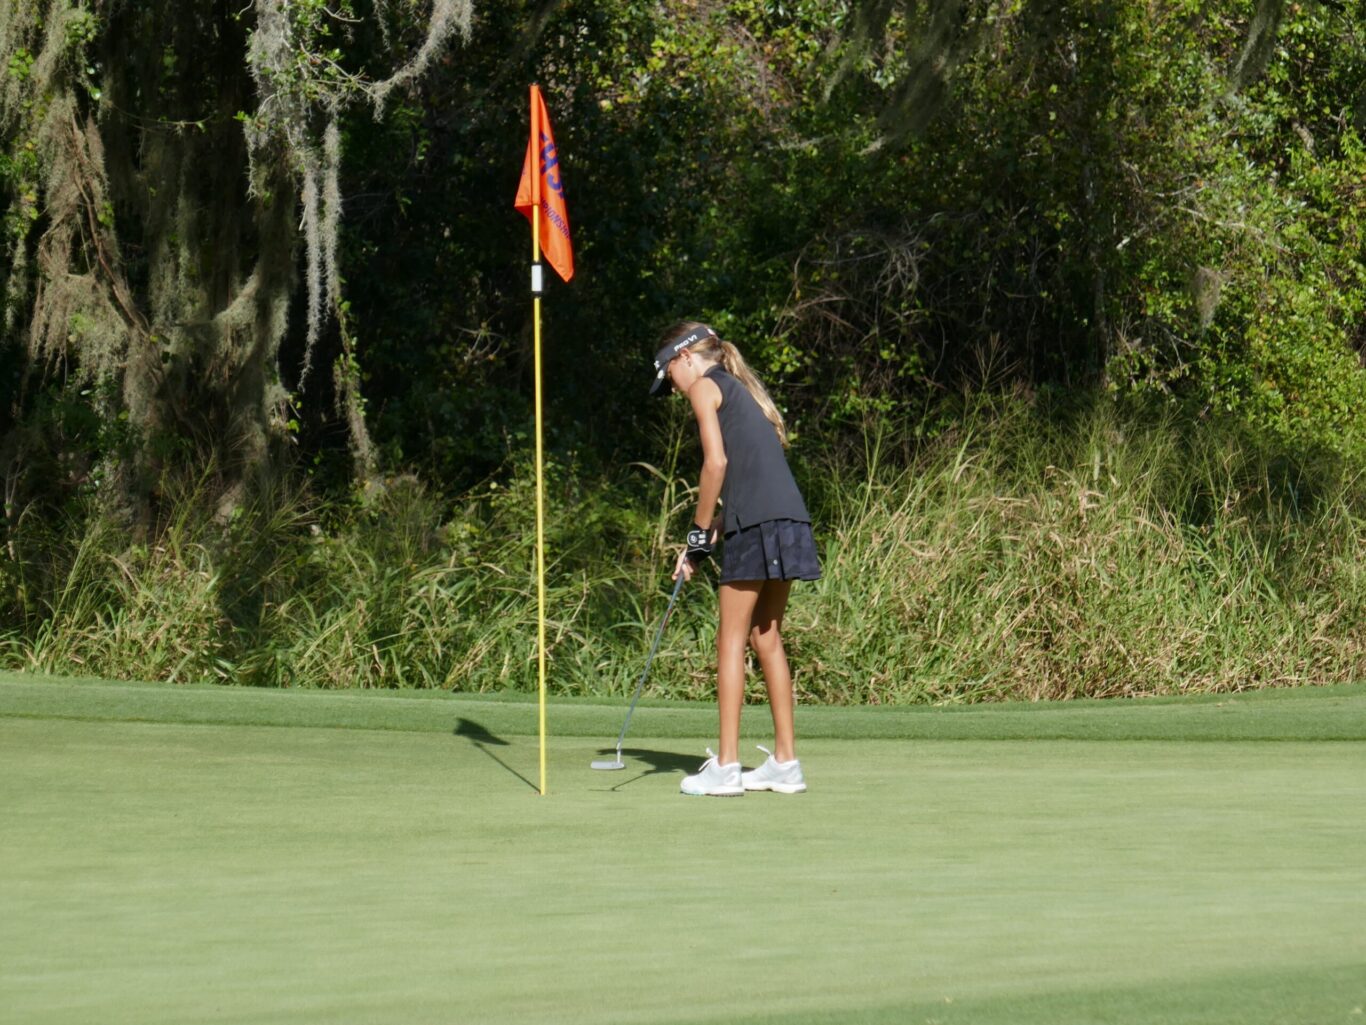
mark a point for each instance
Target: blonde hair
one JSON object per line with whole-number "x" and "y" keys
{"x": 714, "y": 348}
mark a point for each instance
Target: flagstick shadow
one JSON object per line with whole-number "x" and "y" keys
{"x": 482, "y": 739}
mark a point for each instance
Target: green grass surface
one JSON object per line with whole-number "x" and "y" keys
{"x": 213, "y": 855}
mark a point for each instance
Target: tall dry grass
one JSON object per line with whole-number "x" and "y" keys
{"x": 1021, "y": 557}
{"x": 1026, "y": 554}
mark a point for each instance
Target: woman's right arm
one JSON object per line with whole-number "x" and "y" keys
{"x": 705, "y": 397}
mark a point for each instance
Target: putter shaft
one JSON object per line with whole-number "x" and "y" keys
{"x": 640, "y": 684}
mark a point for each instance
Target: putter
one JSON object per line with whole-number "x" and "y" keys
{"x": 617, "y": 763}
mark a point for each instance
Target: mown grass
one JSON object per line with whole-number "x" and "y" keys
{"x": 1028, "y": 553}
{"x": 205, "y": 853}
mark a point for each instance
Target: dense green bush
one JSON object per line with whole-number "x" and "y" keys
{"x": 883, "y": 203}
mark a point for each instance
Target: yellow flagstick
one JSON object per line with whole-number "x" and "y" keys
{"x": 540, "y": 482}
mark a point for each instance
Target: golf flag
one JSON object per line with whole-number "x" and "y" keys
{"x": 542, "y": 189}
{"x": 540, "y": 196}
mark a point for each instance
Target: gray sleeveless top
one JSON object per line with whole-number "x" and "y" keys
{"x": 758, "y": 484}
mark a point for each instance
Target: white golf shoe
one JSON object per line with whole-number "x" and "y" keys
{"x": 780, "y": 777}
{"x": 714, "y": 780}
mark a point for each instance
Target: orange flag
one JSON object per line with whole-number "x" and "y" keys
{"x": 545, "y": 189}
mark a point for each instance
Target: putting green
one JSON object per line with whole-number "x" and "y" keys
{"x": 221, "y": 870}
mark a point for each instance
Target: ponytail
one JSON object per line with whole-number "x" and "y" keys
{"x": 737, "y": 368}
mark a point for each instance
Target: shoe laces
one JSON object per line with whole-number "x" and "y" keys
{"x": 711, "y": 760}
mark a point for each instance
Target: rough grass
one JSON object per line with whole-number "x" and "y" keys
{"x": 1093, "y": 559}
{"x": 1027, "y": 554}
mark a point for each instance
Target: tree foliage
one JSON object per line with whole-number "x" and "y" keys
{"x": 885, "y": 202}
{"x": 155, "y": 157}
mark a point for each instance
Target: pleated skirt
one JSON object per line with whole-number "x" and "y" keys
{"x": 772, "y": 550}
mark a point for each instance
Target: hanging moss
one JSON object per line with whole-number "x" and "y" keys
{"x": 1259, "y": 45}
{"x": 155, "y": 197}
{"x": 302, "y": 95}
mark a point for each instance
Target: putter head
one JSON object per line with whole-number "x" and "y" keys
{"x": 610, "y": 763}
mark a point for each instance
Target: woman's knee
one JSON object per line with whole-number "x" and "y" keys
{"x": 765, "y": 639}
{"x": 729, "y": 642}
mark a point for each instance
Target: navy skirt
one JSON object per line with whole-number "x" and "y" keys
{"x": 772, "y": 550}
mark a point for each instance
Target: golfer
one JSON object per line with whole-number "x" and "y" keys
{"x": 768, "y": 544}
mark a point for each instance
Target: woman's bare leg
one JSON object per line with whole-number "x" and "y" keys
{"x": 738, "y": 601}
{"x": 765, "y": 637}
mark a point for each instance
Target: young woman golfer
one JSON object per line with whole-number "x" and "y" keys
{"x": 768, "y": 544}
